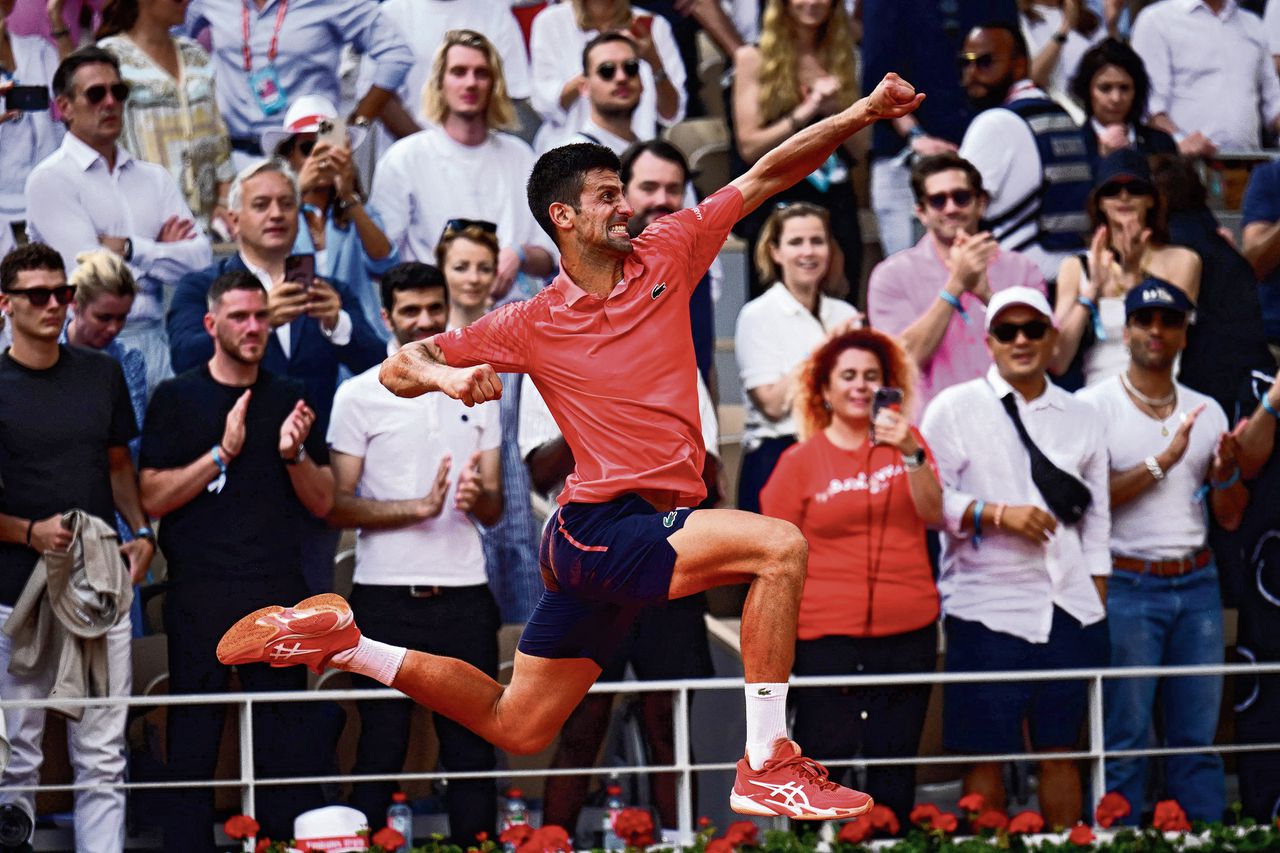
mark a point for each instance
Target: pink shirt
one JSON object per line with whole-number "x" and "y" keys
{"x": 903, "y": 286}
{"x": 617, "y": 371}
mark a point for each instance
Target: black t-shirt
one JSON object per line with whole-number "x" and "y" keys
{"x": 251, "y": 529}
{"x": 55, "y": 428}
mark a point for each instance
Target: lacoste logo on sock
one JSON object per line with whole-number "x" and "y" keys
{"x": 764, "y": 691}
{"x": 657, "y": 291}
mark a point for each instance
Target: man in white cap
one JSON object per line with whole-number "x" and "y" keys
{"x": 1025, "y": 552}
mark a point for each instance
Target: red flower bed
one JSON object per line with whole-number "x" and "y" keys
{"x": 1170, "y": 817}
{"x": 240, "y": 826}
{"x": 1112, "y": 807}
{"x": 1081, "y": 835}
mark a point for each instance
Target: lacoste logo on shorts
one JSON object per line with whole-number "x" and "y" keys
{"x": 658, "y": 291}
{"x": 670, "y": 520}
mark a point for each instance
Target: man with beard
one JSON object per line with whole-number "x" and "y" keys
{"x": 230, "y": 462}
{"x": 1030, "y": 153}
{"x": 412, "y": 474}
{"x": 611, "y": 85}
{"x": 1170, "y": 455}
{"x": 935, "y": 294}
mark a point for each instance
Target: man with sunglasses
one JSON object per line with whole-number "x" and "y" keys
{"x": 611, "y": 86}
{"x": 1030, "y": 152}
{"x": 92, "y": 193}
{"x": 65, "y": 426}
{"x": 935, "y": 294}
{"x": 1022, "y": 586}
{"x": 1171, "y": 458}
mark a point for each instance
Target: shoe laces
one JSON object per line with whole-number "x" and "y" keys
{"x": 810, "y": 769}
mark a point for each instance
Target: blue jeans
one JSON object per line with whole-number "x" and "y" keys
{"x": 1159, "y": 621}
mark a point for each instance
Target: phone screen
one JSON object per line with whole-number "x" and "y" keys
{"x": 885, "y": 397}
{"x": 300, "y": 269}
{"x": 27, "y": 99}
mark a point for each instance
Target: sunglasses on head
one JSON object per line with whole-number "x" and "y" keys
{"x": 456, "y": 225}
{"x": 609, "y": 70}
{"x": 1032, "y": 330}
{"x": 1114, "y": 188}
{"x": 39, "y": 296}
{"x": 983, "y": 61}
{"x": 466, "y": 38}
{"x": 1169, "y": 318}
{"x": 961, "y": 198}
{"x": 96, "y": 94}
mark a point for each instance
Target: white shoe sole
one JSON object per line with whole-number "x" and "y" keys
{"x": 746, "y": 805}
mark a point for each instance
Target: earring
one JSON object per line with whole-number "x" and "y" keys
{"x": 826, "y": 404}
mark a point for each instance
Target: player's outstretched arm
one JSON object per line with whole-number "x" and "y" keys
{"x": 420, "y": 367}
{"x": 804, "y": 152}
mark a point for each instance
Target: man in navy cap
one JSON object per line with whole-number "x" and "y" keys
{"x": 1170, "y": 454}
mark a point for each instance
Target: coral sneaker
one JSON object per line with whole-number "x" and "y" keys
{"x": 311, "y": 632}
{"x": 793, "y": 786}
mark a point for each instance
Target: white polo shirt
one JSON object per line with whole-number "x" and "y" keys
{"x": 402, "y": 442}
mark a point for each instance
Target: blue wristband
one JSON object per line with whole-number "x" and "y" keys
{"x": 954, "y": 302}
{"x": 978, "y": 506}
{"x": 217, "y": 459}
{"x": 1099, "y": 331}
{"x": 216, "y": 484}
{"x": 1227, "y": 483}
{"x": 1267, "y": 407}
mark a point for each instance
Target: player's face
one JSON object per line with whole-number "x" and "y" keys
{"x": 267, "y": 220}
{"x": 240, "y": 324}
{"x": 613, "y": 84}
{"x": 468, "y": 81}
{"x": 950, "y": 188}
{"x": 1155, "y": 336}
{"x": 37, "y": 322}
{"x": 852, "y": 385}
{"x": 1023, "y": 359}
{"x": 656, "y": 189}
{"x": 601, "y": 220}
{"x": 469, "y": 270}
{"x": 98, "y": 323}
{"x": 417, "y": 314}
{"x": 1111, "y": 95}
{"x": 803, "y": 253}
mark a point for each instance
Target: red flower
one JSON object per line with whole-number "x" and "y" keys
{"x": 855, "y": 831}
{"x": 388, "y": 838}
{"x": 946, "y": 822}
{"x": 516, "y": 835}
{"x": 924, "y": 814}
{"x": 990, "y": 819}
{"x": 974, "y": 802}
{"x": 1081, "y": 835}
{"x": 1113, "y": 807}
{"x": 482, "y": 836}
{"x": 882, "y": 818}
{"x": 1170, "y": 817}
{"x": 1027, "y": 822}
{"x": 550, "y": 839}
{"x": 240, "y": 826}
{"x": 742, "y": 833}
{"x": 704, "y": 821}
{"x": 634, "y": 826}
{"x": 719, "y": 845}
{"x": 263, "y": 844}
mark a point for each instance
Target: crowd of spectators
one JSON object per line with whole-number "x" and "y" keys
{"x": 1035, "y": 410}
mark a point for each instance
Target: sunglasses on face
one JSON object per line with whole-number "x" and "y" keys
{"x": 608, "y": 70}
{"x": 39, "y": 296}
{"x": 961, "y": 198}
{"x": 303, "y": 146}
{"x": 96, "y": 94}
{"x": 1114, "y": 189}
{"x": 1169, "y": 318}
{"x": 983, "y": 61}
{"x": 1007, "y": 333}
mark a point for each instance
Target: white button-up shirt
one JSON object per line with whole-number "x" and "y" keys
{"x": 73, "y": 198}
{"x": 1008, "y": 583}
{"x": 1211, "y": 73}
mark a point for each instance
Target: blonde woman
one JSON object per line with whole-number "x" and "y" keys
{"x": 801, "y": 71}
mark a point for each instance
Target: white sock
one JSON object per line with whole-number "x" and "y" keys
{"x": 766, "y": 720}
{"x": 377, "y": 660}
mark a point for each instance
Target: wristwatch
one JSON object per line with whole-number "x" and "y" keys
{"x": 913, "y": 461}
{"x": 146, "y": 533}
{"x": 302, "y": 455}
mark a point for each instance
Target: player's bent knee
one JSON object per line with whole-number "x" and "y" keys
{"x": 788, "y": 552}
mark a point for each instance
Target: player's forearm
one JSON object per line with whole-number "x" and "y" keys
{"x": 414, "y": 370}
{"x": 352, "y": 511}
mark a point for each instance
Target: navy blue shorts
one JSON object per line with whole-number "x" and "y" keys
{"x": 987, "y": 718}
{"x": 601, "y": 564}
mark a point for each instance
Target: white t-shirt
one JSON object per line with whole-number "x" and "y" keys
{"x": 426, "y": 179}
{"x": 774, "y": 334}
{"x": 402, "y": 442}
{"x": 1166, "y": 521}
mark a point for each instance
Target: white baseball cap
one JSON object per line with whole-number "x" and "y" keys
{"x": 1020, "y": 295}
{"x": 304, "y": 116}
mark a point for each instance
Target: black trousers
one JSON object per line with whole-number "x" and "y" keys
{"x": 459, "y": 622}
{"x": 871, "y": 722}
{"x": 287, "y": 738}
{"x": 757, "y": 466}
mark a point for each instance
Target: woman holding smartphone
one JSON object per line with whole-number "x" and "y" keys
{"x": 862, "y": 488}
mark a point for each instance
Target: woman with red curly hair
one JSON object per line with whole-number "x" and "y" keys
{"x": 862, "y": 493}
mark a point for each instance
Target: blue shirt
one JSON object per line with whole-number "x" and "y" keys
{"x": 1262, "y": 204}
{"x": 311, "y": 39}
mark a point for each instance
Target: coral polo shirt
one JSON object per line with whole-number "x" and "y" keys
{"x": 617, "y": 371}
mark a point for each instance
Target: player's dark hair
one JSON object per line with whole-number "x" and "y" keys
{"x": 605, "y": 38}
{"x": 1020, "y": 50}
{"x": 926, "y": 167}
{"x": 559, "y": 176}
{"x": 659, "y": 148}
{"x": 76, "y": 60}
{"x": 33, "y": 256}
{"x": 1112, "y": 52}
{"x": 411, "y": 275}
{"x": 233, "y": 280}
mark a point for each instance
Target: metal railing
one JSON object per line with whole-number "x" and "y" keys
{"x": 1095, "y": 752}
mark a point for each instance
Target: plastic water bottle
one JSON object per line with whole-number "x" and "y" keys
{"x": 514, "y": 813}
{"x": 400, "y": 818}
{"x": 612, "y": 808}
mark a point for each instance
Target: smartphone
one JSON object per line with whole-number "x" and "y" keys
{"x": 27, "y": 99}
{"x": 300, "y": 269}
{"x": 885, "y": 397}
{"x": 332, "y": 131}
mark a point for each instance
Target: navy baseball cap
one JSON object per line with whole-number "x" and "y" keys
{"x": 1126, "y": 166}
{"x": 1157, "y": 293}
